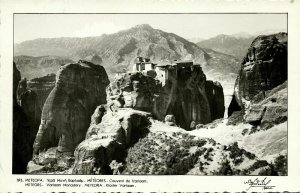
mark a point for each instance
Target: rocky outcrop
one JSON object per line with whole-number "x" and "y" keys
{"x": 261, "y": 87}
{"x": 132, "y": 90}
{"x": 263, "y": 68}
{"x": 215, "y": 96}
{"x": 270, "y": 111}
{"x": 29, "y": 102}
{"x": 16, "y": 80}
{"x": 22, "y": 134}
{"x": 131, "y": 99}
{"x": 183, "y": 95}
{"x": 42, "y": 86}
{"x": 106, "y": 142}
{"x": 170, "y": 120}
{"x": 79, "y": 89}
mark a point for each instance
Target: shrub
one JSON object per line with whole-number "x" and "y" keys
{"x": 237, "y": 154}
{"x": 225, "y": 169}
{"x": 280, "y": 165}
{"x": 207, "y": 154}
{"x": 245, "y": 131}
{"x": 257, "y": 164}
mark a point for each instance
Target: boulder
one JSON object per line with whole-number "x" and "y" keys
{"x": 270, "y": 111}
{"x": 255, "y": 114}
{"x": 98, "y": 114}
{"x": 170, "y": 120}
{"x": 47, "y": 157}
{"x": 33, "y": 168}
{"x": 79, "y": 89}
{"x": 274, "y": 115}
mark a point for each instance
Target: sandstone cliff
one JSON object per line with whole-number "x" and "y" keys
{"x": 122, "y": 139}
{"x": 214, "y": 91}
{"x": 132, "y": 98}
{"x": 79, "y": 89}
{"x": 23, "y": 134}
{"x": 132, "y": 142}
{"x": 217, "y": 148}
{"x": 107, "y": 141}
{"x": 263, "y": 68}
{"x": 42, "y": 86}
{"x": 186, "y": 95}
{"x": 29, "y": 102}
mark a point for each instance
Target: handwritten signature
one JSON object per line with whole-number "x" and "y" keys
{"x": 259, "y": 183}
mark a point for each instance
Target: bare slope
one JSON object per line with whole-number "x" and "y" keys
{"x": 118, "y": 50}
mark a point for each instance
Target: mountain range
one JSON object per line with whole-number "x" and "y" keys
{"x": 118, "y": 51}
{"x": 234, "y": 45}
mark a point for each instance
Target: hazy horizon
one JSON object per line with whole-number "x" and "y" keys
{"x": 33, "y": 26}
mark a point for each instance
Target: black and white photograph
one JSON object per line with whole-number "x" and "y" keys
{"x": 150, "y": 94}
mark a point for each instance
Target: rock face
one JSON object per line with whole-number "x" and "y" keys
{"x": 79, "y": 89}
{"x": 22, "y": 134}
{"x": 233, "y": 106}
{"x": 183, "y": 95}
{"x": 42, "y": 86}
{"x": 215, "y": 96}
{"x": 263, "y": 68}
{"x": 270, "y": 111}
{"x": 261, "y": 87}
{"x": 28, "y": 100}
{"x": 132, "y": 90}
{"x": 16, "y": 80}
{"x": 106, "y": 142}
{"x": 131, "y": 99}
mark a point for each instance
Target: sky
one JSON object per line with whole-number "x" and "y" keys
{"x": 204, "y": 26}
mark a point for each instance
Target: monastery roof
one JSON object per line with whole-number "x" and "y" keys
{"x": 165, "y": 65}
{"x": 183, "y": 61}
{"x": 174, "y": 63}
{"x": 145, "y": 63}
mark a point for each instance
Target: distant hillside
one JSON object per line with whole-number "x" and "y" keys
{"x": 235, "y": 45}
{"x": 118, "y": 51}
{"x": 195, "y": 40}
{"x": 33, "y": 67}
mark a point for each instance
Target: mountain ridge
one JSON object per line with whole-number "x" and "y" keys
{"x": 228, "y": 44}
{"x": 118, "y": 49}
